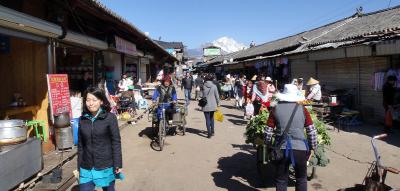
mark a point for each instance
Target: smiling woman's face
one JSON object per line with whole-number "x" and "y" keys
{"x": 93, "y": 103}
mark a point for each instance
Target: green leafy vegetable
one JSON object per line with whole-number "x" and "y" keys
{"x": 255, "y": 128}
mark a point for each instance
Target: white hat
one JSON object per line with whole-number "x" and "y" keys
{"x": 268, "y": 79}
{"x": 290, "y": 94}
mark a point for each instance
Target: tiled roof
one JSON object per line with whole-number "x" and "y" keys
{"x": 379, "y": 22}
{"x": 291, "y": 41}
{"x": 115, "y": 16}
{"x": 352, "y": 28}
{"x": 174, "y": 45}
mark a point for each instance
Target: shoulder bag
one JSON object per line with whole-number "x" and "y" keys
{"x": 276, "y": 152}
{"x": 203, "y": 100}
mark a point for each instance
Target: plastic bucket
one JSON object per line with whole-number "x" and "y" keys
{"x": 75, "y": 126}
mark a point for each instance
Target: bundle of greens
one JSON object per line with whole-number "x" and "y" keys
{"x": 319, "y": 158}
{"x": 322, "y": 131}
{"x": 255, "y": 128}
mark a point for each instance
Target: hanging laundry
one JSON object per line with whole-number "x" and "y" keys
{"x": 398, "y": 78}
{"x": 285, "y": 61}
{"x": 378, "y": 80}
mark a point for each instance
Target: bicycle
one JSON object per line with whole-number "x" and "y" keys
{"x": 162, "y": 125}
{"x": 160, "y": 122}
{"x": 376, "y": 174}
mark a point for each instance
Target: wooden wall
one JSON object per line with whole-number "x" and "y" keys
{"x": 24, "y": 70}
{"x": 302, "y": 67}
{"x": 355, "y": 74}
{"x": 371, "y": 98}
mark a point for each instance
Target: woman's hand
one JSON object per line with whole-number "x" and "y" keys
{"x": 118, "y": 170}
{"x": 310, "y": 155}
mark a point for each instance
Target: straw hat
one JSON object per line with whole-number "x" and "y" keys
{"x": 312, "y": 81}
{"x": 268, "y": 79}
{"x": 254, "y": 78}
{"x": 290, "y": 94}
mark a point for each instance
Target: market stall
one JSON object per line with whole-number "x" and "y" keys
{"x": 23, "y": 67}
{"x": 77, "y": 63}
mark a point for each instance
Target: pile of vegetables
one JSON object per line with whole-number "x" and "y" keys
{"x": 322, "y": 131}
{"x": 255, "y": 130}
{"x": 319, "y": 158}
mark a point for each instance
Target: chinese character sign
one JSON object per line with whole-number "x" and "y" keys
{"x": 59, "y": 93}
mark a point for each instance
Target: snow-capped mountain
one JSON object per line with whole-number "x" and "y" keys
{"x": 228, "y": 45}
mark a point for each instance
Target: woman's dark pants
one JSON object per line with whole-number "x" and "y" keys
{"x": 282, "y": 171}
{"x": 91, "y": 187}
{"x": 209, "y": 122}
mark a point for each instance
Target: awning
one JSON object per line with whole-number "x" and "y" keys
{"x": 23, "y": 35}
{"x": 15, "y": 20}
{"x": 90, "y": 42}
{"x": 22, "y": 22}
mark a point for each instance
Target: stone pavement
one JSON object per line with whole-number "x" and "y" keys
{"x": 225, "y": 162}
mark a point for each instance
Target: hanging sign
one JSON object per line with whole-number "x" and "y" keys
{"x": 58, "y": 88}
{"x": 125, "y": 46}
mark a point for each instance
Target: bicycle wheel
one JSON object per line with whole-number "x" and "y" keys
{"x": 161, "y": 134}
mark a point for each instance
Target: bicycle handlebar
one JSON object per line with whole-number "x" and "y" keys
{"x": 381, "y": 136}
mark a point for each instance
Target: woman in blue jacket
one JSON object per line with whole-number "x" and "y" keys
{"x": 99, "y": 143}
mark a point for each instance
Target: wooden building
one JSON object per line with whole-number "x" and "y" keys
{"x": 40, "y": 37}
{"x": 346, "y": 54}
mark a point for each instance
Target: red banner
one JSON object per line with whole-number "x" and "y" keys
{"x": 59, "y": 93}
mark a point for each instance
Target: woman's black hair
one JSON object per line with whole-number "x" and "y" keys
{"x": 391, "y": 78}
{"x": 208, "y": 77}
{"x": 99, "y": 94}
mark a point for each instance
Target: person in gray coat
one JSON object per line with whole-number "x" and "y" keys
{"x": 210, "y": 91}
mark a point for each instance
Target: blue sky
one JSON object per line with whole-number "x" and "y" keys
{"x": 195, "y": 22}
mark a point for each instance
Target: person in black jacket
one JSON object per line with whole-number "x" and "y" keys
{"x": 388, "y": 92}
{"x": 188, "y": 84}
{"x": 199, "y": 83}
{"x": 99, "y": 143}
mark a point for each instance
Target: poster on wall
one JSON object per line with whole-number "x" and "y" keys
{"x": 59, "y": 97}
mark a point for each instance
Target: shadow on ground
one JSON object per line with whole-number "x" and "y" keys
{"x": 228, "y": 106}
{"x": 355, "y": 188}
{"x": 198, "y": 132}
{"x": 239, "y": 122}
{"x": 234, "y": 116}
{"x": 375, "y": 129}
{"x": 240, "y": 172}
{"x": 148, "y": 132}
{"x": 235, "y": 119}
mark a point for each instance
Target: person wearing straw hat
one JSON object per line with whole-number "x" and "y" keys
{"x": 293, "y": 143}
{"x": 270, "y": 87}
{"x": 254, "y": 78}
{"x": 315, "y": 90}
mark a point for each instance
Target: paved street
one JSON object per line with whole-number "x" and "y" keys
{"x": 225, "y": 162}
